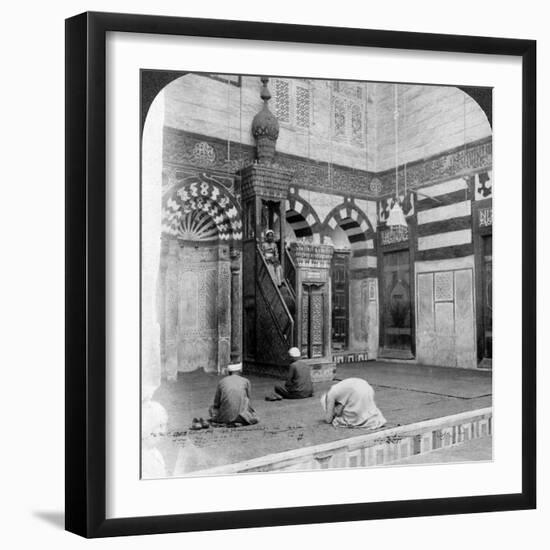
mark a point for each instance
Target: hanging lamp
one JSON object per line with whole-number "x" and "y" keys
{"x": 396, "y": 217}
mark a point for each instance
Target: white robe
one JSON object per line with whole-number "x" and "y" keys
{"x": 350, "y": 403}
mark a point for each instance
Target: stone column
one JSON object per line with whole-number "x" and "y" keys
{"x": 171, "y": 314}
{"x": 236, "y": 306}
{"x": 224, "y": 308}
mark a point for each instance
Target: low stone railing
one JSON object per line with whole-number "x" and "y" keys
{"x": 374, "y": 449}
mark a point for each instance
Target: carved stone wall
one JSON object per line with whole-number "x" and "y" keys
{"x": 196, "y": 323}
{"x": 445, "y": 308}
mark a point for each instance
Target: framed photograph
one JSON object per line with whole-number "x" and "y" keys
{"x": 280, "y": 285}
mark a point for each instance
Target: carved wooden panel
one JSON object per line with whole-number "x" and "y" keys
{"x": 305, "y": 322}
{"x": 317, "y": 324}
{"x": 196, "y": 327}
{"x": 271, "y": 346}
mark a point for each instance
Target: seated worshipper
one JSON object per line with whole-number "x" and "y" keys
{"x": 350, "y": 404}
{"x": 271, "y": 255}
{"x": 298, "y": 384}
{"x": 232, "y": 400}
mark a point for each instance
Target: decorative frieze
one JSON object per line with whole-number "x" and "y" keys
{"x": 312, "y": 255}
{"x": 375, "y": 186}
{"x": 229, "y": 157}
{"x": 394, "y": 235}
{"x": 203, "y": 153}
{"x": 472, "y": 157}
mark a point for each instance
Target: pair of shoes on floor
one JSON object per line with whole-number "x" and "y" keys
{"x": 199, "y": 424}
{"x": 273, "y": 397}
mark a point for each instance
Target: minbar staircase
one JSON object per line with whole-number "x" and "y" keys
{"x": 275, "y": 320}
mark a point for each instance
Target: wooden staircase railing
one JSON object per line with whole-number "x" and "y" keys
{"x": 282, "y": 318}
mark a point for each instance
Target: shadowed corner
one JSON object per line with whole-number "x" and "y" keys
{"x": 55, "y": 518}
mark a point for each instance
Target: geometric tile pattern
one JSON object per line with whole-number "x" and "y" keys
{"x": 349, "y": 357}
{"x": 443, "y": 286}
{"x": 282, "y": 100}
{"x": 201, "y": 193}
{"x": 303, "y": 106}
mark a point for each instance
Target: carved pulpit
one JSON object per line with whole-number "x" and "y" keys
{"x": 268, "y": 322}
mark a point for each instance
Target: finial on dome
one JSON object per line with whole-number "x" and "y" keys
{"x": 265, "y": 94}
{"x": 265, "y": 127}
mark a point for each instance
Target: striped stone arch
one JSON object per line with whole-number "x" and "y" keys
{"x": 355, "y": 224}
{"x": 302, "y": 218}
{"x": 198, "y": 205}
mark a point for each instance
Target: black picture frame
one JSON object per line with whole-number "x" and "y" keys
{"x": 86, "y": 274}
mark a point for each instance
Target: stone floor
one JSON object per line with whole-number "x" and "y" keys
{"x": 405, "y": 393}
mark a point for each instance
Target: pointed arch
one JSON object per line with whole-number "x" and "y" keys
{"x": 301, "y": 217}
{"x": 355, "y": 223}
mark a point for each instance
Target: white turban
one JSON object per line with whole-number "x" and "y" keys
{"x": 294, "y": 353}
{"x": 235, "y": 367}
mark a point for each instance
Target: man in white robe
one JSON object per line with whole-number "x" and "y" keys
{"x": 350, "y": 404}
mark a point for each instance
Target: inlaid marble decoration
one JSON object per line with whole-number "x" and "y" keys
{"x": 443, "y": 286}
{"x": 483, "y": 185}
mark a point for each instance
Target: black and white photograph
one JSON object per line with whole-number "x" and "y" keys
{"x": 248, "y": 289}
{"x": 316, "y": 274}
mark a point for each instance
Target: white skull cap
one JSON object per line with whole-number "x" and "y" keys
{"x": 235, "y": 367}
{"x": 294, "y": 353}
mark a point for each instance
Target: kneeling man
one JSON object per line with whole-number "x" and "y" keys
{"x": 232, "y": 400}
{"x": 350, "y": 404}
{"x": 298, "y": 384}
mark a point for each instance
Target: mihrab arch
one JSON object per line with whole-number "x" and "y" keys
{"x": 201, "y": 193}
{"x": 199, "y": 307}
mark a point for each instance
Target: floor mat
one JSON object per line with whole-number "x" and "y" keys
{"x": 442, "y": 381}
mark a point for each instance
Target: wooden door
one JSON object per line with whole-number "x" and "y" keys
{"x": 487, "y": 290}
{"x": 397, "y": 311}
{"x": 340, "y": 300}
{"x": 313, "y": 320}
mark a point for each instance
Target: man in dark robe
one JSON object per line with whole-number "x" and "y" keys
{"x": 298, "y": 384}
{"x": 232, "y": 400}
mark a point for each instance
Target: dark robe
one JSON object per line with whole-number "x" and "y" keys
{"x": 232, "y": 401}
{"x": 298, "y": 384}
